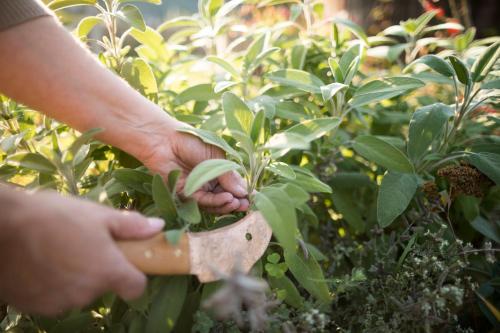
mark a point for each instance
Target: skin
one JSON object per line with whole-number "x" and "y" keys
{"x": 58, "y": 253}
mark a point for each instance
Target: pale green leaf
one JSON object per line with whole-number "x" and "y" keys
{"x": 211, "y": 138}
{"x": 61, "y": 4}
{"x": 132, "y": 15}
{"x": 485, "y": 62}
{"x": 353, "y": 27}
{"x": 167, "y": 304}
{"x": 309, "y": 274}
{"x": 238, "y": 115}
{"x": 426, "y": 126}
{"x": 32, "y": 161}
{"x": 436, "y": 63}
{"x": 395, "y": 194}
{"x": 487, "y": 163}
{"x": 281, "y": 169}
{"x": 331, "y": 90}
{"x": 382, "y": 153}
{"x": 378, "y": 90}
{"x": 87, "y": 24}
{"x": 298, "y": 79}
{"x": 274, "y": 205}
{"x": 163, "y": 199}
{"x": 189, "y": 212}
{"x": 488, "y": 229}
{"x": 226, "y": 66}
{"x": 205, "y": 172}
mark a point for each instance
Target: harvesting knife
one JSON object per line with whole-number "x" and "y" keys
{"x": 206, "y": 254}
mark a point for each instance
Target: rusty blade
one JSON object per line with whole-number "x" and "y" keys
{"x": 219, "y": 251}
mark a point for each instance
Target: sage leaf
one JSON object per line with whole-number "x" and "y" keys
{"x": 395, "y": 194}
{"x": 487, "y": 163}
{"x": 461, "y": 71}
{"x": 378, "y": 90}
{"x": 488, "y": 229}
{"x": 308, "y": 181}
{"x": 86, "y": 25}
{"x": 201, "y": 93}
{"x": 167, "y": 304}
{"x": 298, "y": 79}
{"x": 309, "y": 274}
{"x": 211, "y": 138}
{"x": 226, "y": 66}
{"x": 189, "y": 212}
{"x": 131, "y": 15}
{"x": 436, "y": 63}
{"x": 281, "y": 169}
{"x": 382, "y": 153}
{"x": 205, "y": 172}
{"x": 331, "y": 90}
{"x": 237, "y": 113}
{"x": 426, "y": 125}
{"x": 163, "y": 199}
{"x": 274, "y": 205}
{"x": 313, "y": 129}
{"x": 485, "y": 62}
{"x": 292, "y": 295}
{"x": 61, "y": 4}
{"x": 32, "y": 161}
{"x": 353, "y": 27}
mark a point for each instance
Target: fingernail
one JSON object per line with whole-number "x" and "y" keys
{"x": 156, "y": 223}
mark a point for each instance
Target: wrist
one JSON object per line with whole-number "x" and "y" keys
{"x": 138, "y": 128}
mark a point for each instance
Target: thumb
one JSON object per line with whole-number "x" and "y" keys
{"x": 233, "y": 183}
{"x": 132, "y": 225}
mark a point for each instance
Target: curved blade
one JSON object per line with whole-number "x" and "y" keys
{"x": 219, "y": 251}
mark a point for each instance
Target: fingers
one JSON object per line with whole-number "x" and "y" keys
{"x": 238, "y": 205}
{"x": 244, "y": 205}
{"x": 124, "y": 279}
{"x": 211, "y": 199}
{"x": 132, "y": 225}
{"x": 233, "y": 183}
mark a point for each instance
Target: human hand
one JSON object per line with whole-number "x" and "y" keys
{"x": 59, "y": 253}
{"x": 171, "y": 149}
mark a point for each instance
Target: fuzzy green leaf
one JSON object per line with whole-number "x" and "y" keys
{"x": 309, "y": 274}
{"x": 461, "y": 71}
{"x": 487, "y": 163}
{"x": 167, "y": 304}
{"x": 298, "y": 79}
{"x": 436, "y": 63}
{"x": 164, "y": 200}
{"x": 382, "y": 153}
{"x": 274, "y": 205}
{"x": 238, "y": 115}
{"x": 32, "y": 161}
{"x": 378, "y": 90}
{"x": 61, "y": 4}
{"x": 205, "y": 172}
{"x": 395, "y": 194}
{"x": 485, "y": 62}
{"x": 132, "y": 15}
{"x": 426, "y": 126}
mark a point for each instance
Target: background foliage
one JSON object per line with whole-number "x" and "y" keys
{"x": 385, "y": 146}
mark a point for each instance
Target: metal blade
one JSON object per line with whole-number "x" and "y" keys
{"x": 219, "y": 251}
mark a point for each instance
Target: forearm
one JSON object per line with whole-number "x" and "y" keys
{"x": 44, "y": 67}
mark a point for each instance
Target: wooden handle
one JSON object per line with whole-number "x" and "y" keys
{"x": 156, "y": 256}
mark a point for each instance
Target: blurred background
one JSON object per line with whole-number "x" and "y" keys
{"x": 373, "y": 15}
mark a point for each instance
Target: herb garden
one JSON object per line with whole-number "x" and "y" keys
{"x": 374, "y": 159}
